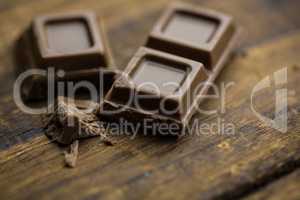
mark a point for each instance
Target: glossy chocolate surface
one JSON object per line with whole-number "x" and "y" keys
{"x": 68, "y": 36}
{"x": 191, "y": 29}
{"x": 151, "y": 73}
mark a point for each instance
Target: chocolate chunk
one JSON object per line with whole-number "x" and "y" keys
{"x": 69, "y": 41}
{"x": 198, "y": 34}
{"x": 72, "y": 155}
{"x": 68, "y": 123}
{"x": 167, "y": 80}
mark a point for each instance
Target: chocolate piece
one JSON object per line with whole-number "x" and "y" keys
{"x": 68, "y": 123}
{"x": 167, "y": 80}
{"x": 65, "y": 41}
{"x": 72, "y": 155}
{"x": 199, "y": 34}
{"x": 71, "y": 42}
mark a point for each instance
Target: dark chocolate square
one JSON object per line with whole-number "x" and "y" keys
{"x": 198, "y": 34}
{"x": 146, "y": 74}
{"x": 70, "y": 41}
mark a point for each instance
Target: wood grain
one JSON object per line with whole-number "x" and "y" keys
{"x": 285, "y": 188}
{"x": 210, "y": 166}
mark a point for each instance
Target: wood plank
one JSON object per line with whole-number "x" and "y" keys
{"x": 208, "y": 166}
{"x": 285, "y": 188}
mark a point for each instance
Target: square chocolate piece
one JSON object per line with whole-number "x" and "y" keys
{"x": 198, "y": 34}
{"x": 69, "y": 41}
{"x": 157, "y": 86}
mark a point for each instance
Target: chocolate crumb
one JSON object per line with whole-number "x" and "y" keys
{"x": 72, "y": 155}
{"x": 108, "y": 143}
{"x": 68, "y": 123}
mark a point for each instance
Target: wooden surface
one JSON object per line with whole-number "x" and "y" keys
{"x": 285, "y": 187}
{"x": 257, "y": 162}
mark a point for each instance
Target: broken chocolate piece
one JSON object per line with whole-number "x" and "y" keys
{"x": 156, "y": 86}
{"x": 68, "y": 123}
{"x": 199, "y": 34}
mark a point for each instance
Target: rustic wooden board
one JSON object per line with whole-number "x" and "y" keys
{"x": 287, "y": 187}
{"x": 206, "y": 166}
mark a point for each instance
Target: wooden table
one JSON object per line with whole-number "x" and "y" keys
{"x": 256, "y": 162}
